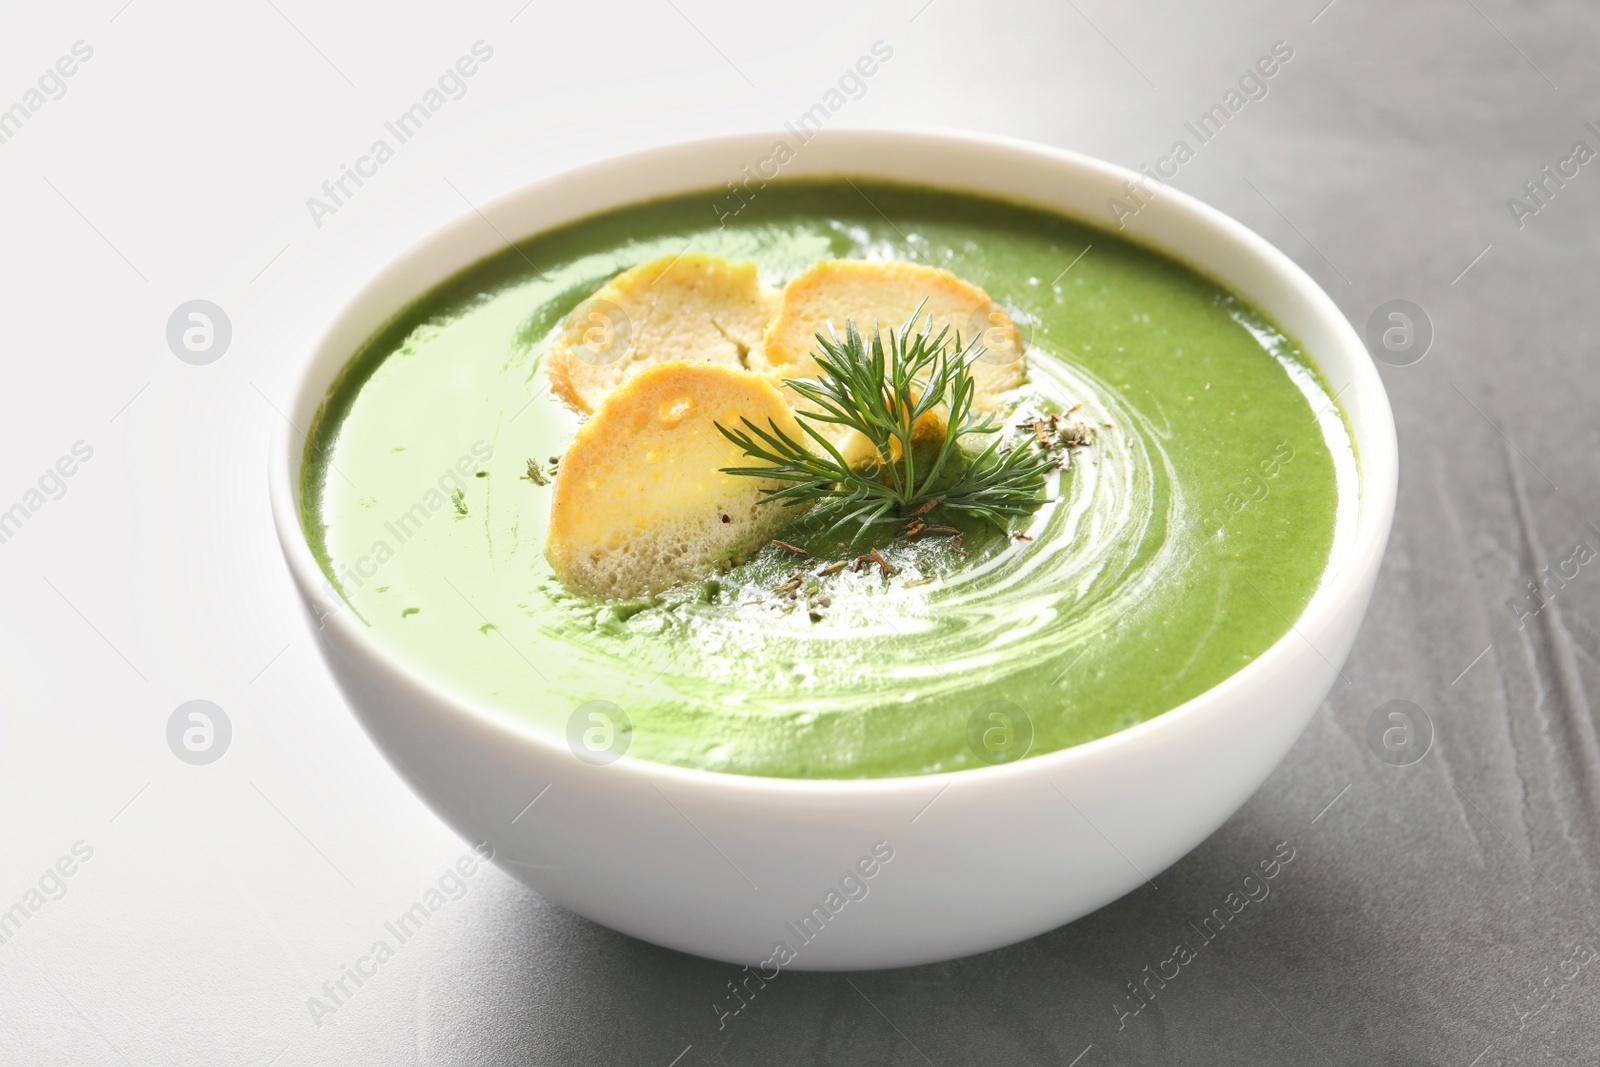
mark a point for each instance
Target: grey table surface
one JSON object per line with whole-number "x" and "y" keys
{"x": 1435, "y": 913}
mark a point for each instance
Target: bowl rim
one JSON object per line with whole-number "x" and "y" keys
{"x": 1377, "y": 463}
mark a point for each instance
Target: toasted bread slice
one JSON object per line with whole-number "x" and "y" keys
{"x": 887, "y": 294}
{"x": 860, "y": 454}
{"x": 641, "y": 502}
{"x": 687, "y": 307}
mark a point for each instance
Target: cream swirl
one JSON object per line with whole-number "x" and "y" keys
{"x": 1098, "y": 547}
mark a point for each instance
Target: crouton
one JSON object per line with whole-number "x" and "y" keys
{"x": 641, "y": 503}
{"x": 886, "y": 294}
{"x": 687, "y": 307}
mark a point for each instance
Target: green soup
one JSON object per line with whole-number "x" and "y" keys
{"x": 1178, "y": 547}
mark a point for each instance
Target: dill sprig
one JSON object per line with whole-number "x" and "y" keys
{"x": 883, "y": 391}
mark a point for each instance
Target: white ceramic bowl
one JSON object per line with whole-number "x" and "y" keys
{"x": 728, "y": 866}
